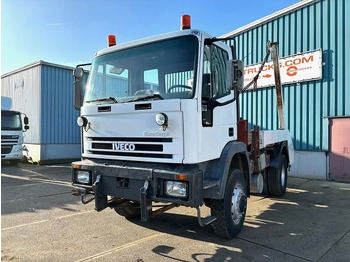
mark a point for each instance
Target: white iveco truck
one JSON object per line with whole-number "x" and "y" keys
{"x": 160, "y": 123}
{"x": 11, "y": 132}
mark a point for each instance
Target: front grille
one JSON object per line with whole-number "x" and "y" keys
{"x": 6, "y": 149}
{"x": 132, "y": 139}
{"x": 143, "y": 147}
{"x": 13, "y": 139}
{"x": 138, "y": 147}
{"x": 102, "y": 146}
{"x": 148, "y": 155}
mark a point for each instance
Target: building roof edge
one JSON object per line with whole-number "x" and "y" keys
{"x": 34, "y": 64}
{"x": 270, "y": 17}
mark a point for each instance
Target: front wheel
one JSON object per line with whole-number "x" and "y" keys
{"x": 14, "y": 162}
{"x": 231, "y": 210}
{"x": 127, "y": 208}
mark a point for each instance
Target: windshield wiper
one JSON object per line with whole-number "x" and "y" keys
{"x": 109, "y": 98}
{"x": 146, "y": 97}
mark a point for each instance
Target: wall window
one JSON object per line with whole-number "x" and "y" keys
{"x": 151, "y": 80}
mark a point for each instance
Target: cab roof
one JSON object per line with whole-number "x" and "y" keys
{"x": 152, "y": 39}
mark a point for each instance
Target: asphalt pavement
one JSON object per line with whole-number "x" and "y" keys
{"x": 42, "y": 221}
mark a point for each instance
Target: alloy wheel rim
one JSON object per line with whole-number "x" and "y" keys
{"x": 283, "y": 176}
{"x": 238, "y": 204}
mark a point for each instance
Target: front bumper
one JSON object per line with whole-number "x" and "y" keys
{"x": 143, "y": 182}
{"x": 15, "y": 152}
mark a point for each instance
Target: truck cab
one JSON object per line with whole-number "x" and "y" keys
{"x": 11, "y": 132}
{"x": 159, "y": 123}
{"x": 131, "y": 86}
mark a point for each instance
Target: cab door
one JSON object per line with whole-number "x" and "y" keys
{"x": 217, "y": 121}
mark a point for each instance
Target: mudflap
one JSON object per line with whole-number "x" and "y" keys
{"x": 100, "y": 198}
{"x": 145, "y": 203}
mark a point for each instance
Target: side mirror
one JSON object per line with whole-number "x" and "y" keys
{"x": 26, "y": 128}
{"x": 26, "y": 120}
{"x": 235, "y": 77}
{"x": 78, "y": 74}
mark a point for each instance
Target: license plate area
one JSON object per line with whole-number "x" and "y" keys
{"x": 122, "y": 182}
{"x": 122, "y": 187}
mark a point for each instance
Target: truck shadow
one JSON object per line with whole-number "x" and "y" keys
{"x": 24, "y": 186}
{"x": 291, "y": 227}
{"x": 305, "y": 223}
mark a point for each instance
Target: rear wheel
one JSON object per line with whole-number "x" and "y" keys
{"x": 231, "y": 210}
{"x": 277, "y": 178}
{"x": 266, "y": 183}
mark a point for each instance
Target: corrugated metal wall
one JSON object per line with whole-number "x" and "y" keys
{"x": 58, "y": 116}
{"x": 324, "y": 25}
{"x": 24, "y": 89}
{"x": 180, "y": 78}
{"x": 44, "y": 92}
{"x": 116, "y": 86}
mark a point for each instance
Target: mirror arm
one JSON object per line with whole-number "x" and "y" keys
{"x": 212, "y": 103}
{"x": 87, "y": 64}
{"x": 209, "y": 41}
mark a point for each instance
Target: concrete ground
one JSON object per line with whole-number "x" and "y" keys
{"x": 42, "y": 221}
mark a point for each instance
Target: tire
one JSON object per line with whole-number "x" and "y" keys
{"x": 231, "y": 210}
{"x": 128, "y": 209}
{"x": 13, "y": 162}
{"x": 266, "y": 186}
{"x": 278, "y": 177}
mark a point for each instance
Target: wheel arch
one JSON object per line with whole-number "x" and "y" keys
{"x": 281, "y": 149}
{"x": 233, "y": 156}
{"x": 240, "y": 161}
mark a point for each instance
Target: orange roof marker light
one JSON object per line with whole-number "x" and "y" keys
{"x": 112, "y": 40}
{"x": 185, "y": 22}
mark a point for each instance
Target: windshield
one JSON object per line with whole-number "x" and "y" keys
{"x": 10, "y": 120}
{"x": 161, "y": 70}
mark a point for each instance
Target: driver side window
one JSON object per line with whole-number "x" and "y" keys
{"x": 214, "y": 80}
{"x": 214, "y": 71}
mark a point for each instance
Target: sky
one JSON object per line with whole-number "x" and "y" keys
{"x": 70, "y": 32}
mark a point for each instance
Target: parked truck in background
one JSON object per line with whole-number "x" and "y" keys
{"x": 160, "y": 124}
{"x": 11, "y": 132}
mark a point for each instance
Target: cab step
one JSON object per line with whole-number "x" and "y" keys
{"x": 204, "y": 221}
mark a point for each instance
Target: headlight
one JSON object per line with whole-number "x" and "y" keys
{"x": 176, "y": 189}
{"x": 161, "y": 119}
{"x": 82, "y": 176}
{"x": 82, "y": 121}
